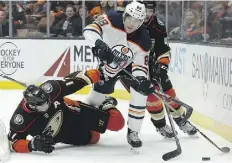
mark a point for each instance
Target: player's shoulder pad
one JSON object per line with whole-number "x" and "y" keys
{"x": 141, "y": 38}
{"x": 50, "y": 86}
{"x": 53, "y": 88}
{"x": 21, "y": 119}
{"x": 116, "y": 20}
{"x": 159, "y": 25}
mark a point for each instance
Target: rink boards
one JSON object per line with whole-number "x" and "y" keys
{"x": 201, "y": 75}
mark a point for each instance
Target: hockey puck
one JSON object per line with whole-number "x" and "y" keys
{"x": 205, "y": 158}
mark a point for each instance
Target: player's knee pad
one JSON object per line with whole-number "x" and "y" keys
{"x": 154, "y": 104}
{"x": 95, "y": 137}
{"x": 171, "y": 92}
{"x": 116, "y": 121}
{"x": 155, "y": 108}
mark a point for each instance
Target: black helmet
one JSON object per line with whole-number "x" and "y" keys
{"x": 150, "y": 4}
{"x": 36, "y": 96}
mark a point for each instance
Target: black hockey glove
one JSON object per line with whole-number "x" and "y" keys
{"x": 158, "y": 71}
{"x": 103, "y": 52}
{"x": 142, "y": 85}
{"x": 42, "y": 143}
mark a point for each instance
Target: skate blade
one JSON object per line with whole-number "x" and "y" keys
{"x": 134, "y": 150}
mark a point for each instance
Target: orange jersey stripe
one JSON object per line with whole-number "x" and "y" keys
{"x": 164, "y": 60}
{"x": 96, "y": 28}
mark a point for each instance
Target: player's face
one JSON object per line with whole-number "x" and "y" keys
{"x": 149, "y": 13}
{"x": 131, "y": 24}
{"x": 42, "y": 108}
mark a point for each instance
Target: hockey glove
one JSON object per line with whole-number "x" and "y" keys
{"x": 158, "y": 71}
{"x": 103, "y": 52}
{"x": 42, "y": 143}
{"x": 142, "y": 85}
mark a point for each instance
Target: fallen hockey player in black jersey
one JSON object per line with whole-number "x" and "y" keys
{"x": 50, "y": 117}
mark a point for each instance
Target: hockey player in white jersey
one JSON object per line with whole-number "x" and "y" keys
{"x": 124, "y": 34}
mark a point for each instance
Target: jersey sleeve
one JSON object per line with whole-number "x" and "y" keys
{"x": 18, "y": 141}
{"x": 161, "y": 48}
{"x": 94, "y": 31}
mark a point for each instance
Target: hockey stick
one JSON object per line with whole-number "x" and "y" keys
{"x": 13, "y": 80}
{"x": 189, "y": 109}
{"x": 34, "y": 82}
{"x": 223, "y": 149}
{"x": 178, "y": 151}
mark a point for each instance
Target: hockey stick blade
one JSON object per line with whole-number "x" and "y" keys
{"x": 172, "y": 154}
{"x": 223, "y": 149}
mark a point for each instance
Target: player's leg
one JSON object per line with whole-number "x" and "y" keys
{"x": 107, "y": 116}
{"x": 100, "y": 90}
{"x": 79, "y": 136}
{"x": 168, "y": 89}
{"x": 155, "y": 108}
{"x": 116, "y": 121}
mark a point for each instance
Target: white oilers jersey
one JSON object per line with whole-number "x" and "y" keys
{"x": 127, "y": 49}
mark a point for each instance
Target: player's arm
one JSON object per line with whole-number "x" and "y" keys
{"x": 20, "y": 124}
{"x": 94, "y": 31}
{"x": 161, "y": 48}
{"x": 140, "y": 66}
{"x": 18, "y": 141}
{"x": 141, "y": 50}
{"x": 160, "y": 57}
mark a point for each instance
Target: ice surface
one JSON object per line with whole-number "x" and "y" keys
{"x": 113, "y": 147}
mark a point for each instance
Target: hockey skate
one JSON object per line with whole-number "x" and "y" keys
{"x": 188, "y": 128}
{"x": 4, "y": 144}
{"x": 133, "y": 140}
{"x": 166, "y": 131}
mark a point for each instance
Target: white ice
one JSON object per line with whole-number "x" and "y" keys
{"x": 113, "y": 147}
